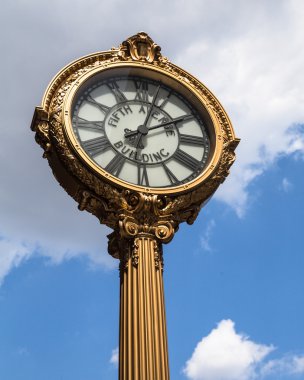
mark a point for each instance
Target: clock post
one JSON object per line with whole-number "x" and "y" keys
{"x": 143, "y": 227}
{"x": 142, "y": 145}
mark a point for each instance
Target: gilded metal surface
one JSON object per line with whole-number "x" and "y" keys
{"x": 128, "y": 208}
{"x": 142, "y": 218}
{"x": 140, "y": 47}
{"x": 143, "y": 351}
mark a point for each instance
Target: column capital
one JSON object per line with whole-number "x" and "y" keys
{"x": 126, "y": 250}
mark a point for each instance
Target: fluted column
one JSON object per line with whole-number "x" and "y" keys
{"x": 143, "y": 352}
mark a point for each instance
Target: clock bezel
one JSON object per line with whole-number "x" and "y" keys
{"x": 183, "y": 86}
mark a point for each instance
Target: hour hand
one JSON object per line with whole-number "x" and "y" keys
{"x": 138, "y": 143}
{"x": 130, "y": 135}
{"x": 136, "y": 136}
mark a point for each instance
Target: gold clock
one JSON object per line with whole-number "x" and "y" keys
{"x": 141, "y": 144}
{"x": 128, "y": 120}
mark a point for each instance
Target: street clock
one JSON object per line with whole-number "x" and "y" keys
{"x": 141, "y": 144}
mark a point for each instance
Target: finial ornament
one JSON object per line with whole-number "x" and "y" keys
{"x": 140, "y": 47}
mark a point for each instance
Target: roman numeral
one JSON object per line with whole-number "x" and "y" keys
{"x": 142, "y": 176}
{"x": 101, "y": 106}
{"x": 170, "y": 175}
{"x": 120, "y": 97}
{"x": 141, "y": 91}
{"x": 96, "y": 145}
{"x": 186, "y": 160}
{"x": 192, "y": 140}
{"x": 97, "y": 126}
{"x": 115, "y": 165}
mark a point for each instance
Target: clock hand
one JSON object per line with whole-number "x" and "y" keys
{"x": 142, "y": 130}
{"x": 176, "y": 120}
{"x": 182, "y": 118}
{"x": 138, "y": 143}
{"x": 152, "y": 105}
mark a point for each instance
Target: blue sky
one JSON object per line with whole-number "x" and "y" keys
{"x": 234, "y": 280}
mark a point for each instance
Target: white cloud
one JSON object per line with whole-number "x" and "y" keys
{"x": 114, "y": 356}
{"x": 12, "y": 254}
{"x": 256, "y": 70}
{"x": 298, "y": 362}
{"x": 205, "y": 238}
{"x": 225, "y": 355}
{"x": 286, "y": 185}
{"x": 286, "y": 366}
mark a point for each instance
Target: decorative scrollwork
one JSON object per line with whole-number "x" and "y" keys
{"x": 129, "y": 227}
{"x": 164, "y": 231}
{"x": 135, "y": 256}
{"x": 158, "y": 256}
{"x": 42, "y": 137}
{"x": 140, "y": 47}
{"x": 129, "y": 212}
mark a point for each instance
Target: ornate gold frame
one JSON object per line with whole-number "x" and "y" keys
{"x": 96, "y": 190}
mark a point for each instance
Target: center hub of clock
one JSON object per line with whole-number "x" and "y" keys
{"x": 143, "y": 130}
{"x": 138, "y": 139}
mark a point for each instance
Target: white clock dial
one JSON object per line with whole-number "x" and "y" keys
{"x": 141, "y": 131}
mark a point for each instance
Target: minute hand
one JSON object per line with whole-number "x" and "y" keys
{"x": 176, "y": 120}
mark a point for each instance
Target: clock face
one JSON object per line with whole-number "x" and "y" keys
{"x": 140, "y": 130}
